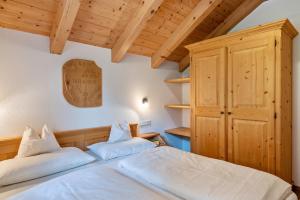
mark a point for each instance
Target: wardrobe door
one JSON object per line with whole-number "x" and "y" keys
{"x": 208, "y": 103}
{"x": 251, "y": 88}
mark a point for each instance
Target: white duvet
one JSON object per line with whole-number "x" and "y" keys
{"x": 195, "y": 177}
{"x": 101, "y": 183}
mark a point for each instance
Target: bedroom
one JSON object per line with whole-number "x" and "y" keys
{"x": 139, "y": 55}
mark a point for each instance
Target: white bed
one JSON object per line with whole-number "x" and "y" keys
{"x": 132, "y": 184}
{"x": 115, "y": 185}
{"x": 10, "y": 190}
{"x": 194, "y": 177}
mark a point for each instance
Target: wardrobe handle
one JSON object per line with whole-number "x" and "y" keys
{"x": 222, "y": 112}
{"x": 229, "y": 113}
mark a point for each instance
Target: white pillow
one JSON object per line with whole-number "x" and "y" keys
{"x": 108, "y": 151}
{"x": 33, "y": 144}
{"x": 119, "y": 132}
{"x": 22, "y": 169}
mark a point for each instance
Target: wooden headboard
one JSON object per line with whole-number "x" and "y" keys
{"x": 74, "y": 138}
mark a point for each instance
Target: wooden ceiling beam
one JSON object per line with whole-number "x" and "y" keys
{"x": 134, "y": 28}
{"x": 65, "y": 16}
{"x": 232, "y": 20}
{"x": 198, "y": 15}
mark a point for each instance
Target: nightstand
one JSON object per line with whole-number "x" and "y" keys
{"x": 148, "y": 136}
{"x": 153, "y": 137}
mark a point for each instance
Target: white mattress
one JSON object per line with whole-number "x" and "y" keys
{"x": 11, "y": 190}
{"x": 203, "y": 178}
{"x": 98, "y": 182}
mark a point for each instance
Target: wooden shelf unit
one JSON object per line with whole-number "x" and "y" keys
{"x": 179, "y": 80}
{"x": 181, "y": 131}
{"x": 178, "y": 106}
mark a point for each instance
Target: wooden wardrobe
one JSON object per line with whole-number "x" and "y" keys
{"x": 241, "y": 98}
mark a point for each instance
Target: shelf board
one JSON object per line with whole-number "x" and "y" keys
{"x": 179, "y": 80}
{"x": 181, "y": 131}
{"x": 178, "y": 106}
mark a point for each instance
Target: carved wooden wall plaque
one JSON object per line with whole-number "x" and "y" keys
{"x": 82, "y": 83}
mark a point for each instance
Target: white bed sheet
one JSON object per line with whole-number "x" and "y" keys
{"x": 97, "y": 182}
{"x": 195, "y": 177}
{"x": 10, "y": 190}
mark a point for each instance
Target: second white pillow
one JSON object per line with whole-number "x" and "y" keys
{"x": 34, "y": 144}
{"x": 119, "y": 132}
{"x": 109, "y": 151}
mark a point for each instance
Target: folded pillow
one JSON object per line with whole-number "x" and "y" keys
{"x": 33, "y": 144}
{"x": 119, "y": 132}
{"x": 23, "y": 169}
{"x": 108, "y": 151}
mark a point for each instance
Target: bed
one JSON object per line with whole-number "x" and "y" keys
{"x": 115, "y": 179}
{"x": 100, "y": 172}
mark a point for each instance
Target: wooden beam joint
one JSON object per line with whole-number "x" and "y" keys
{"x": 233, "y": 19}
{"x": 203, "y": 9}
{"x": 147, "y": 9}
{"x": 62, "y": 25}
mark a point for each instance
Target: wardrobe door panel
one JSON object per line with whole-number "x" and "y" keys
{"x": 251, "y": 88}
{"x": 250, "y": 143}
{"x": 209, "y": 136}
{"x": 208, "y": 103}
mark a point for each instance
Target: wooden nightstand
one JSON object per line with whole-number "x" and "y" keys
{"x": 153, "y": 137}
{"x": 148, "y": 136}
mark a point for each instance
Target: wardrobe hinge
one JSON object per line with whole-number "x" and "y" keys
{"x": 275, "y": 115}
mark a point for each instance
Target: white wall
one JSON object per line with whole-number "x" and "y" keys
{"x": 270, "y": 11}
{"x": 31, "y": 87}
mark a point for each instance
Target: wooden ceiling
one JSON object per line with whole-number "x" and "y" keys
{"x": 155, "y": 28}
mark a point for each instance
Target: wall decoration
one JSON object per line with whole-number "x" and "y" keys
{"x": 82, "y": 83}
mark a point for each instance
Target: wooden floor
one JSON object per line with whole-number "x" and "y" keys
{"x": 297, "y": 191}
{"x": 298, "y": 194}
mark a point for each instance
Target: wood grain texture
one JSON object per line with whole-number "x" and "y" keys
{"x": 198, "y": 15}
{"x": 179, "y": 80}
{"x": 233, "y": 19}
{"x": 178, "y": 106}
{"x": 284, "y": 25}
{"x": 102, "y": 22}
{"x": 82, "y": 83}
{"x": 208, "y": 74}
{"x": 148, "y": 136}
{"x": 65, "y": 16}
{"x": 134, "y": 28}
{"x": 258, "y": 108}
{"x": 181, "y": 131}
{"x": 251, "y": 93}
{"x": 283, "y": 104}
{"x": 73, "y": 138}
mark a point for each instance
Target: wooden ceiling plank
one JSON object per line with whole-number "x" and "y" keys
{"x": 61, "y": 29}
{"x": 23, "y": 10}
{"x": 134, "y": 28}
{"x": 8, "y": 20}
{"x": 44, "y": 5}
{"x": 233, "y": 19}
{"x": 198, "y": 15}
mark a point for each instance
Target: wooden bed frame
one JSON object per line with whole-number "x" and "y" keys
{"x": 73, "y": 138}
